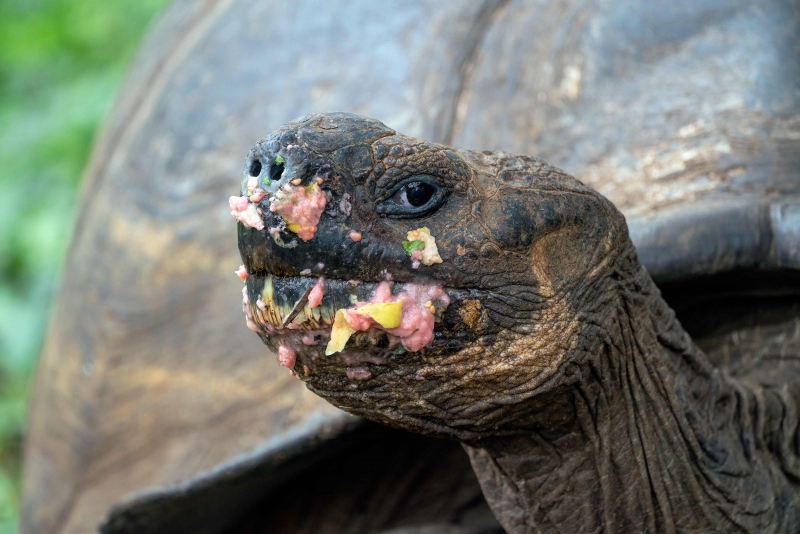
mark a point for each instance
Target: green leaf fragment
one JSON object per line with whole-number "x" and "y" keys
{"x": 411, "y": 246}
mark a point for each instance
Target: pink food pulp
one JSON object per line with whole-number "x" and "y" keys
{"x": 245, "y": 212}
{"x": 287, "y": 356}
{"x": 301, "y": 206}
{"x": 310, "y": 340}
{"x": 315, "y": 297}
{"x": 248, "y": 315}
{"x": 416, "y": 322}
{"x": 416, "y": 258}
{"x": 358, "y": 373}
{"x": 258, "y": 195}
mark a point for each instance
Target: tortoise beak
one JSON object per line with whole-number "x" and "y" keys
{"x": 280, "y": 303}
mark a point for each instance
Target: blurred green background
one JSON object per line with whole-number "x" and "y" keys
{"x": 61, "y": 62}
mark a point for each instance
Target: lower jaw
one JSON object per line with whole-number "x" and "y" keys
{"x": 364, "y": 350}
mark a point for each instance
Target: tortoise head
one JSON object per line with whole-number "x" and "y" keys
{"x": 496, "y": 298}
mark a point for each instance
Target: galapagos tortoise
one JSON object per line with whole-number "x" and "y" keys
{"x": 493, "y": 299}
{"x": 154, "y": 409}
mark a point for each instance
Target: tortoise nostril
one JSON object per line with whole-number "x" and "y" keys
{"x": 255, "y": 168}
{"x": 276, "y": 172}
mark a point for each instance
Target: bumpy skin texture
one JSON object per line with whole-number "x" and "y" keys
{"x": 582, "y": 403}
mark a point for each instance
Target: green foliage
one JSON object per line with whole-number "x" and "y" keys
{"x": 411, "y": 246}
{"x": 60, "y": 63}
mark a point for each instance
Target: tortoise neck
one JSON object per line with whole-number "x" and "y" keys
{"x": 652, "y": 439}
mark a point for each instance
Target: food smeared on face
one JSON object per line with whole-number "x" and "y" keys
{"x": 315, "y": 297}
{"x": 248, "y": 314}
{"x": 258, "y": 195}
{"x": 300, "y": 207}
{"x": 287, "y": 356}
{"x": 340, "y": 333}
{"x": 358, "y": 372}
{"x": 421, "y": 247}
{"x": 409, "y": 315}
{"x": 365, "y": 307}
{"x": 246, "y": 213}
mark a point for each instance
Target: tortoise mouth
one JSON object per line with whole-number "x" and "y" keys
{"x": 280, "y": 309}
{"x": 280, "y": 304}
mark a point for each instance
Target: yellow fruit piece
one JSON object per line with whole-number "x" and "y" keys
{"x": 293, "y": 227}
{"x": 386, "y": 314}
{"x": 340, "y": 333}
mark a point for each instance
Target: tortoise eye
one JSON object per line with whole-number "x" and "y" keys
{"x": 414, "y": 197}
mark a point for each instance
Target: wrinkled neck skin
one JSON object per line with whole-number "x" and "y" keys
{"x": 651, "y": 438}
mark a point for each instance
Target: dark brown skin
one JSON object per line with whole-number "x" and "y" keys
{"x": 580, "y": 400}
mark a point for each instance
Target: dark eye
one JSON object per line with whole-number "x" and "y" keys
{"x": 414, "y": 197}
{"x": 414, "y": 194}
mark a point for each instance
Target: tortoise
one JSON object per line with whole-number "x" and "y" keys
{"x": 583, "y": 404}
{"x": 155, "y": 409}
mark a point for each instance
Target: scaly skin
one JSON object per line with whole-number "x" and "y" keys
{"x": 582, "y": 403}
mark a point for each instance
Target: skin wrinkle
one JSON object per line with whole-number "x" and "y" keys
{"x": 642, "y": 377}
{"x": 608, "y": 470}
{"x": 635, "y": 435}
{"x": 660, "y": 388}
{"x": 588, "y": 426}
{"x": 721, "y": 497}
{"x": 655, "y": 486}
{"x": 675, "y": 415}
{"x": 789, "y": 425}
